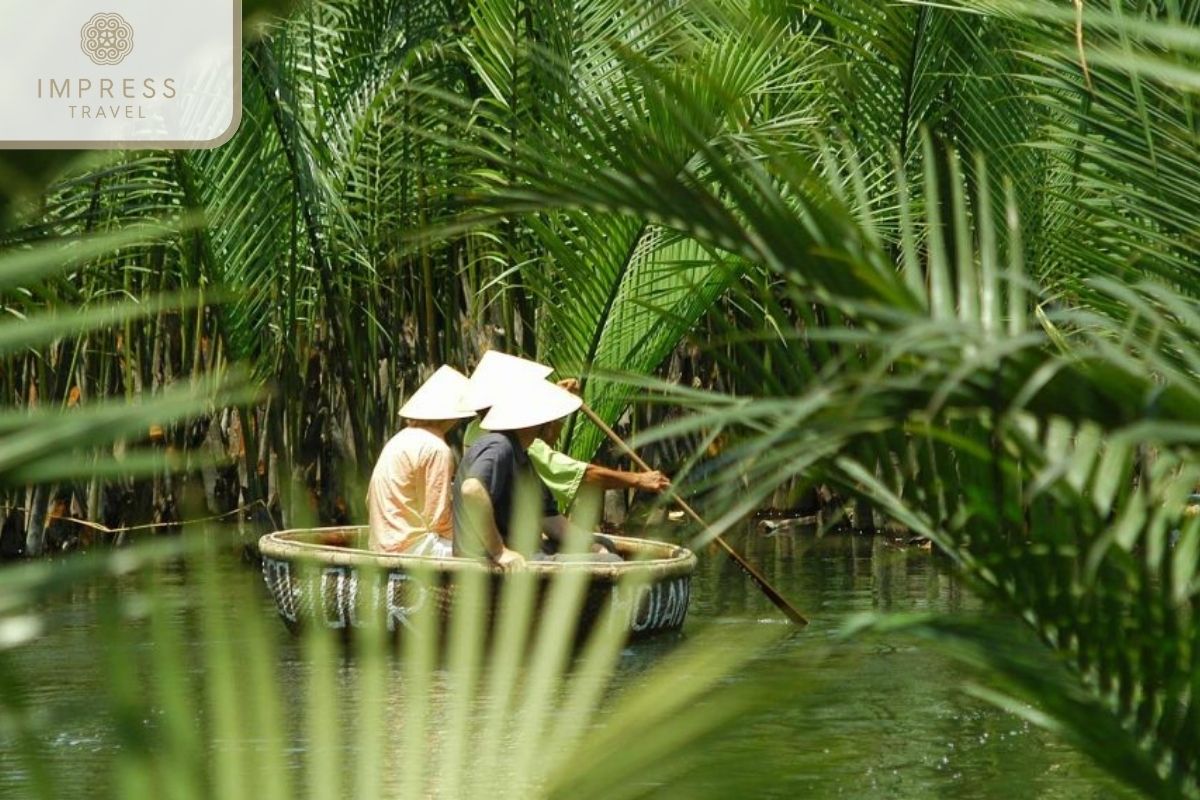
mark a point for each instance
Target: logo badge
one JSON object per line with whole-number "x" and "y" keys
{"x": 106, "y": 39}
{"x": 119, "y": 74}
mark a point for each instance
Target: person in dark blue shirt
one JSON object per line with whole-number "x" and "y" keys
{"x": 496, "y": 487}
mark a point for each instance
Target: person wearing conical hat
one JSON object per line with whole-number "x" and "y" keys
{"x": 563, "y": 476}
{"x": 409, "y": 499}
{"x": 494, "y": 373}
{"x": 495, "y": 475}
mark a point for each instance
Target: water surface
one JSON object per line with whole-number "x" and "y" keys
{"x": 878, "y": 717}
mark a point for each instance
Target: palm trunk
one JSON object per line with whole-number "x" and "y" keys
{"x": 35, "y": 520}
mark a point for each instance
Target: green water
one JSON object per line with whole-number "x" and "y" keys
{"x": 876, "y": 718}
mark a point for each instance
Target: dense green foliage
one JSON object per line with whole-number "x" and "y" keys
{"x": 365, "y": 130}
{"x": 997, "y": 350}
{"x": 960, "y": 240}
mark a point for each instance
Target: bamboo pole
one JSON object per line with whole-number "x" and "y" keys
{"x": 770, "y": 591}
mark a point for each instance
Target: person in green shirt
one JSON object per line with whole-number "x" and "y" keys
{"x": 563, "y": 475}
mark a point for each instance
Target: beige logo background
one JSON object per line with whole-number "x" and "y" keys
{"x": 106, "y": 39}
{"x": 176, "y": 83}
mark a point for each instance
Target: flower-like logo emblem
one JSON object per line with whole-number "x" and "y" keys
{"x": 106, "y": 39}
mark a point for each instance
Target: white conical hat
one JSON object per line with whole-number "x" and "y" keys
{"x": 440, "y": 397}
{"x": 495, "y": 371}
{"x": 527, "y": 403}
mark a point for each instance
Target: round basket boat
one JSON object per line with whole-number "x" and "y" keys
{"x": 327, "y": 576}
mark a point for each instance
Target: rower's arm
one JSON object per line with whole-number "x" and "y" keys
{"x": 605, "y": 478}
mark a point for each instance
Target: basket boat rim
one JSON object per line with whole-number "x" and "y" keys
{"x": 665, "y": 559}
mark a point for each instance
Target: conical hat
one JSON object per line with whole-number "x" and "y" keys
{"x": 495, "y": 371}
{"x": 440, "y": 397}
{"x": 527, "y": 403}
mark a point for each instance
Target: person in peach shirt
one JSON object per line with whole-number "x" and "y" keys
{"x": 409, "y": 497}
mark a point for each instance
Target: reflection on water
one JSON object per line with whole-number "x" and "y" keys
{"x": 872, "y": 718}
{"x": 864, "y": 718}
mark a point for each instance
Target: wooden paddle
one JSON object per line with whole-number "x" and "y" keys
{"x": 770, "y": 591}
